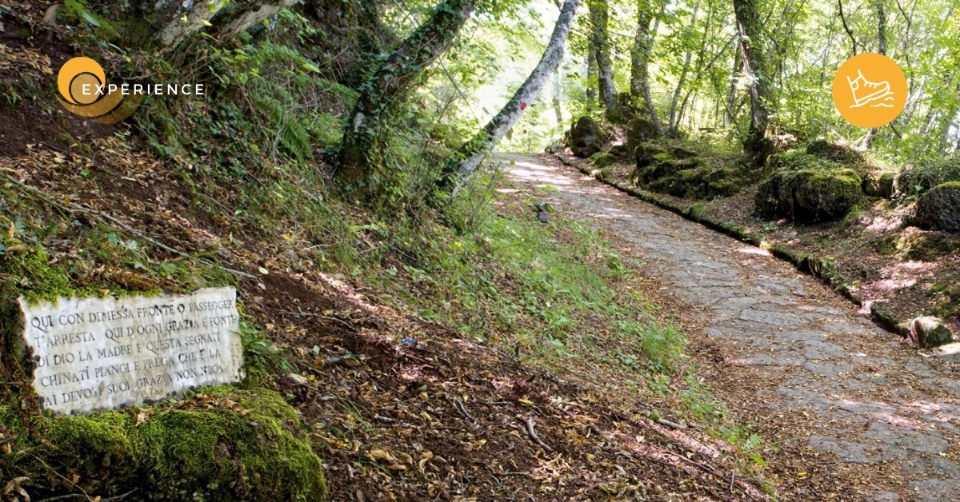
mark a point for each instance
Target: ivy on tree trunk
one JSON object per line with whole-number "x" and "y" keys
{"x": 389, "y": 83}
{"x": 757, "y": 143}
{"x": 600, "y": 39}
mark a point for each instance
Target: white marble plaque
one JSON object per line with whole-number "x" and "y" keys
{"x": 103, "y": 353}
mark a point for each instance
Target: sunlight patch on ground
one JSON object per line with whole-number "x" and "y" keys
{"x": 753, "y": 250}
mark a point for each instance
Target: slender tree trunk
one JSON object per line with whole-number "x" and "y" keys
{"x": 757, "y": 144}
{"x": 882, "y": 49}
{"x": 591, "y": 71}
{"x": 640, "y": 74}
{"x": 600, "y": 39}
{"x": 469, "y": 156}
{"x": 846, "y": 27}
{"x": 728, "y": 117}
{"x": 674, "y": 120}
{"x": 638, "y": 64}
{"x": 557, "y": 96}
{"x": 390, "y": 82}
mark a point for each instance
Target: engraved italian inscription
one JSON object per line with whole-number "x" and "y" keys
{"x": 102, "y": 353}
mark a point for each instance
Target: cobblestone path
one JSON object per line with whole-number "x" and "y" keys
{"x": 871, "y": 404}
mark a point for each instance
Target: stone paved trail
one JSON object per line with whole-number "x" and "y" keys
{"x": 871, "y": 403}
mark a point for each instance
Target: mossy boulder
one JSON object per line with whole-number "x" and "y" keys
{"x": 841, "y": 154}
{"x": 823, "y": 193}
{"x": 931, "y": 332}
{"x": 946, "y": 296}
{"x": 939, "y": 209}
{"x": 640, "y": 130}
{"x": 878, "y": 184}
{"x": 603, "y": 159}
{"x": 586, "y": 137}
{"x": 649, "y": 153}
{"x": 916, "y": 180}
{"x": 680, "y": 171}
{"x": 223, "y": 445}
{"x": 626, "y": 109}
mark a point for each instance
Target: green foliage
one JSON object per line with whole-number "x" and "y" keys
{"x": 914, "y": 181}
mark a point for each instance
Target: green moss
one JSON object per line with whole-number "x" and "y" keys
{"x": 247, "y": 446}
{"x": 834, "y": 152}
{"x": 947, "y": 301}
{"x": 602, "y": 160}
{"x": 820, "y": 193}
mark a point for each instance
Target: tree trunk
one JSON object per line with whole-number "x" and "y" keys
{"x": 757, "y": 145}
{"x": 728, "y": 117}
{"x": 882, "y": 49}
{"x": 389, "y": 83}
{"x": 184, "y": 23}
{"x": 557, "y": 96}
{"x": 254, "y": 13}
{"x": 640, "y": 60}
{"x": 674, "y": 120}
{"x": 600, "y": 39}
{"x": 638, "y": 64}
{"x": 469, "y": 156}
{"x": 591, "y": 71}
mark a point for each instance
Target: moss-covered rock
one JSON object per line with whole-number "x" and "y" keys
{"x": 946, "y": 297}
{"x": 604, "y": 159}
{"x": 841, "y": 154}
{"x": 878, "y": 184}
{"x": 649, "y": 153}
{"x": 640, "y": 130}
{"x": 916, "y": 180}
{"x": 225, "y": 445}
{"x": 823, "y": 193}
{"x": 939, "y": 209}
{"x": 680, "y": 171}
{"x": 586, "y": 137}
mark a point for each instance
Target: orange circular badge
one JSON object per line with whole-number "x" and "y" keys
{"x": 869, "y": 90}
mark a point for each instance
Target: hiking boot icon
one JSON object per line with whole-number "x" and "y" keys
{"x": 866, "y": 92}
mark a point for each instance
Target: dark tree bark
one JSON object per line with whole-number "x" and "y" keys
{"x": 757, "y": 143}
{"x": 846, "y": 28}
{"x": 469, "y": 156}
{"x": 600, "y": 39}
{"x": 390, "y": 82}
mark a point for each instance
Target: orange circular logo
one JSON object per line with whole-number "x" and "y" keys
{"x": 869, "y": 90}
{"x": 79, "y": 79}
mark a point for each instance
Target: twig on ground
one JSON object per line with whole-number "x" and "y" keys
{"x": 672, "y": 425}
{"x": 338, "y": 359}
{"x": 329, "y": 318}
{"x": 463, "y": 410}
{"x": 533, "y": 435}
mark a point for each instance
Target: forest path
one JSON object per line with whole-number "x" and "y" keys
{"x": 842, "y": 398}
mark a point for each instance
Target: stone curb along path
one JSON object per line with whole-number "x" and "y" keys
{"x": 871, "y": 402}
{"x": 823, "y": 269}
